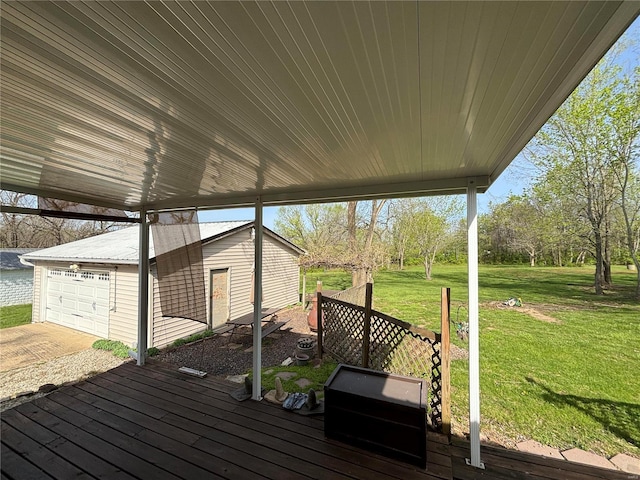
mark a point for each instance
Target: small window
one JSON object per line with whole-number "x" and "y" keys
{"x": 103, "y": 276}
{"x": 87, "y": 276}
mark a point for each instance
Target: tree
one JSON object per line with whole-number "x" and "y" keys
{"x": 319, "y": 229}
{"x": 625, "y": 122}
{"x": 32, "y": 231}
{"x": 424, "y": 226}
{"x": 575, "y": 156}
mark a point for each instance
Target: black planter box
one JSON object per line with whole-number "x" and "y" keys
{"x": 378, "y": 411}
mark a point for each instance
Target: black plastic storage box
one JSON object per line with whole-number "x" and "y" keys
{"x": 378, "y": 411}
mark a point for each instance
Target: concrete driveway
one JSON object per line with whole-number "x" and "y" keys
{"x": 39, "y": 342}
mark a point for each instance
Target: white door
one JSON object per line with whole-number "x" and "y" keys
{"x": 79, "y": 300}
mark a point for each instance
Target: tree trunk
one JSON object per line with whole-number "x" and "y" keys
{"x": 427, "y": 268}
{"x": 532, "y": 259}
{"x": 401, "y": 260}
{"x": 606, "y": 260}
{"x": 599, "y": 275}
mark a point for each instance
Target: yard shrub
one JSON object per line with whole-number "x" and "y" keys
{"x": 192, "y": 338}
{"x": 118, "y": 348}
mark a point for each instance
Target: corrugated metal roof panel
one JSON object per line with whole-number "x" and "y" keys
{"x": 119, "y": 246}
{"x": 171, "y": 104}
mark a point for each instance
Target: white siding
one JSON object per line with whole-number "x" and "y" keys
{"x": 280, "y": 274}
{"x": 235, "y": 252}
{"x": 280, "y": 271}
{"x": 38, "y": 285}
{"x": 16, "y": 287}
{"x": 123, "y": 318}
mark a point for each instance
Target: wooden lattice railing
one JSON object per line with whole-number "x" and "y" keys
{"x": 357, "y": 335}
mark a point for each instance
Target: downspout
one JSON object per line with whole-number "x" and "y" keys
{"x": 257, "y": 304}
{"x": 474, "y": 343}
{"x": 143, "y": 287}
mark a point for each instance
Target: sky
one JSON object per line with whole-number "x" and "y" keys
{"x": 514, "y": 180}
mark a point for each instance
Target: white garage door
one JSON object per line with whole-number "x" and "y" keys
{"x": 79, "y": 300}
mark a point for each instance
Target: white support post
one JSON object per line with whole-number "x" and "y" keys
{"x": 474, "y": 343}
{"x": 257, "y": 305}
{"x": 143, "y": 287}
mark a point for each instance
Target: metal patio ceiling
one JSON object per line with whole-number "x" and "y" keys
{"x": 126, "y": 104}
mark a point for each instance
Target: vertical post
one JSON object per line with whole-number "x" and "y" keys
{"x": 303, "y": 298}
{"x": 319, "y": 325}
{"x": 143, "y": 287}
{"x": 257, "y": 304}
{"x": 445, "y": 359}
{"x": 366, "y": 334}
{"x": 474, "y": 342}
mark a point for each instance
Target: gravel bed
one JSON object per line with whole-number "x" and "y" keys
{"x": 61, "y": 370}
{"x": 233, "y": 355}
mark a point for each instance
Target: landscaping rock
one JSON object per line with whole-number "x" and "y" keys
{"x": 303, "y": 383}
{"x": 531, "y": 446}
{"x": 286, "y": 375}
{"x": 47, "y": 387}
{"x": 626, "y": 463}
{"x": 580, "y": 456}
{"x": 236, "y": 378}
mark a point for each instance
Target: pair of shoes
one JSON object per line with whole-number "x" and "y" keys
{"x": 295, "y": 401}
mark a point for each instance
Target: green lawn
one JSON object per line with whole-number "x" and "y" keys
{"x": 15, "y": 315}
{"x": 562, "y": 370}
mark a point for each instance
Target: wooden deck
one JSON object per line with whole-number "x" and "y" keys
{"x": 153, "y": 422}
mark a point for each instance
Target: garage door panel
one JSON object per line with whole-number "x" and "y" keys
{"x": 86, "y": 307}
{"x": 69, "y": 288}
{"x": 79, "y": 300}
{"x": 102, "y": 294}
{"x": 87, "y": 291}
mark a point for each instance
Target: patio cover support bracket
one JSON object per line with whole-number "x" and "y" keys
{"x": 143, "y": 287}
{"x": 474, "y": 344}
{"x": 257, "y": 304}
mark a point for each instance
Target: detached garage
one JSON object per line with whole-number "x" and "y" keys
{"x": 91, "y": 285}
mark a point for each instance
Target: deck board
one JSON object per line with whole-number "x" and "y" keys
{"x": 154, "y": 422}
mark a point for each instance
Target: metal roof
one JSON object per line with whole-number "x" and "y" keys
{"x": 10, "y": 258}
{"x": 121, "y": 246}
{"x": 176, "y": 104}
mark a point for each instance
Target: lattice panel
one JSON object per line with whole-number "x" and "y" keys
{"x": 393, "y": 348}
{"x": 343, "y": 330}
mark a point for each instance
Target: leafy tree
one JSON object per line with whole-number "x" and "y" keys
{"x": 422, "y": 227}
{"x": 575, "y": 154}
{"x": 625, "y": 124}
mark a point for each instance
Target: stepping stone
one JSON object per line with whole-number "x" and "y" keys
{"x": 286, "y": 375}
{"x": 303, "y": 382}
{"x": 267, "y": 372}
{"x": 626, "y": 463}
{"x": 531, "y": 446}
{"x": 248, "y": 350}
{"x": 580, "y": 456}
{"x": 234, "y": 346}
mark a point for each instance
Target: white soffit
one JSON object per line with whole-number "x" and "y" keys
{"x": 194, "y": 103}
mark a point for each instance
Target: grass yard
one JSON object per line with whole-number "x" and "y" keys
{"x": 15, "y": 315}
{"x": 561, "y": 370}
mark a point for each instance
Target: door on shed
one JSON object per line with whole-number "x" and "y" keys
{"x": 78, "y": 300}
{"x": 219, "y": 297}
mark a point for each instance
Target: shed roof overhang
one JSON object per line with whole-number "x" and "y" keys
{"x": 163, "y": 105}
